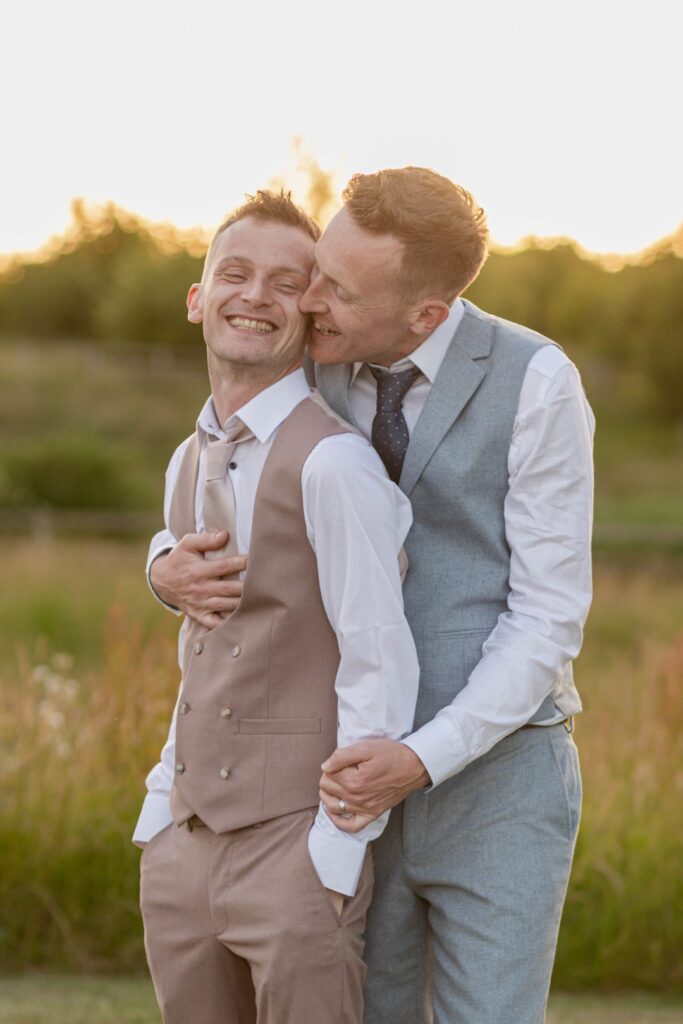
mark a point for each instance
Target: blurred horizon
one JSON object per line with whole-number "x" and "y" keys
{"x": 172, "y": 237}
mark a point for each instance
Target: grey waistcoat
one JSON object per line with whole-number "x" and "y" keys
{"x": 456, "y": 476}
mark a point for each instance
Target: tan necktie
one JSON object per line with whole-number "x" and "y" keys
{"x": 219, "y": 497}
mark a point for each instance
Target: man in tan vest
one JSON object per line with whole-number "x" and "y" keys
{"x": 253, "y": 900}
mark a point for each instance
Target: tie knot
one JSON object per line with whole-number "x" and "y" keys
{"x": 393, "y": 387}
{"x": 237, "y": 431}
{"x": 219, "y": 453}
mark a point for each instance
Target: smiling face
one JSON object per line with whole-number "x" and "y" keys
{"x": 358, "y": 311}
{"x": 255, "y": 274}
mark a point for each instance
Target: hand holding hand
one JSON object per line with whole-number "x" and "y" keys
{"x": 370, "y": 777}
{"x": 197, "y": 586}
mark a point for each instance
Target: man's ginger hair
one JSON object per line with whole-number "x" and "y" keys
{"x": 442, "y": 228}
{"x": 268, "y": 206}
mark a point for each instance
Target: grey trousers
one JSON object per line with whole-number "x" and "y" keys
{"x": 470, "y": 881}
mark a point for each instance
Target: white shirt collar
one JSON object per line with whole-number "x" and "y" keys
{"x": 429, "y": 356}
{"x": 263, "y": 413}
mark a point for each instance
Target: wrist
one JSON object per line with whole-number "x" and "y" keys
{"x": 419, "y": 776}
{"x": 156, "y": 580}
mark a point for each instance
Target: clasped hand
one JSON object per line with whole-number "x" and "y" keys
{"x": 199, "y": 587}
{"x": 369, "y": 777}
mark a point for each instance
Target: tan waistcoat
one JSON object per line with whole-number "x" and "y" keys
{"x": 258, "y": 710}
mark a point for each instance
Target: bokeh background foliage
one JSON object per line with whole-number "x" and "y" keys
{"x": 100, "y": 377}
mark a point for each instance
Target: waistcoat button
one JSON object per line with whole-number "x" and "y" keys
{"x": 198, "y": 647}
{"x": 180, "y": 768}
{"x": 236, "y": 651}
{"x": 184, "y": 708}
{"x": 224, "y": 773}
{"x": 226, "y": 712}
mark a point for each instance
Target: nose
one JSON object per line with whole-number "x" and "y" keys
{"x": 312, "y": 300}
{"x": 256, "y": 292}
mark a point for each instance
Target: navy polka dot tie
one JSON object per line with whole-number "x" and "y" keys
{"x": 389, "y": 428}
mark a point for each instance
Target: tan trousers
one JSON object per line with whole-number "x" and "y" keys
{"x": 239, "y": 929}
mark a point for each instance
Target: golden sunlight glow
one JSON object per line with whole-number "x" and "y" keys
{"x": 559, "y": 117}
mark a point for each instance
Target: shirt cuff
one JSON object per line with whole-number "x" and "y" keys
{"x": 154, "y": 817}
{"x": 337, "y": 856}
{"x": 440, "y": 747}
{"x": 153, "y": 555}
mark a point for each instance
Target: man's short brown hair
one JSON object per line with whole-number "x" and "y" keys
{"x": 442, "y": 228}
{"x": 277, "y": 207}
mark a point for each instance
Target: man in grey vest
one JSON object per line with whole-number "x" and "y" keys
{"x": 253, "y": 899}
{"x": 485, "y": 426}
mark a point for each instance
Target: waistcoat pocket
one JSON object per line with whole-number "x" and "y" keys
{"x": 276, "y": 726}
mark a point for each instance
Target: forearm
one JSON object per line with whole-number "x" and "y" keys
{"x": 502, "y": 694}
{"x": 162, "y": 543}
{"x": 156, "y": 809}
{"x": 357, "y": 521}
{"x": 548, "y": 517}
{"x": 367, "y": 709}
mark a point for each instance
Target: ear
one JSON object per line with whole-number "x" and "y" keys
{"x": 195, "y": 304}
{"x": 427, "y": 315}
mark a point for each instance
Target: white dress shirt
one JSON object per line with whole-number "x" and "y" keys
{"x": 548, "y": 516}
{"x": 356, "y": 522}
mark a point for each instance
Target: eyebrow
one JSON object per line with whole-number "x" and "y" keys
{"x": 227, "y": 260}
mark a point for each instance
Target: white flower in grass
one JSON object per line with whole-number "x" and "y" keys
{"x": 53, "y": 685}
{"x": 70, "y": 688}
{"x": 51, "y": 716}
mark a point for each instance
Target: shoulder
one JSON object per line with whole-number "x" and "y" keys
{"x": 550, "y": 377}
{"x": 544, "y": 363}
{"x": 179, "y": 454}
{"x": 552, "y": 389}
{"x": 343, "y": 457}
{"x": 344, "y": 481}
{"x": 333, "y": 418}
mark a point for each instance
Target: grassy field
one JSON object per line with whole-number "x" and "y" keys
{"x": 88, "y": 677}
{"x": 87, "y": 686}
{"x": 45, "y": 999}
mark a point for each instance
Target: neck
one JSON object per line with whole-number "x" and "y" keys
{"x": 397, "y": 352}
{"x": 233, "y": 385}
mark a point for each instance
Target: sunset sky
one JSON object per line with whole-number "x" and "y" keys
{"x": 562, "y": 117}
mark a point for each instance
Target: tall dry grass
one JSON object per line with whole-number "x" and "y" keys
{"x": 623, "y": 923}
{"x": 76, "y": 749}
{"x": 78, "y": 736}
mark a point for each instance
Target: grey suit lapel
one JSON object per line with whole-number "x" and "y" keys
{"x": 459, "y": 376}
{"x": 333, "y": 382}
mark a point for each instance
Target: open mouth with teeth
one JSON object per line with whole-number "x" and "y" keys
{"x": 327, "y": 332}
{"x": 249, "y": 324}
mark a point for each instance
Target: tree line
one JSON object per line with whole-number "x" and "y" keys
{"x": 113, "y": 277}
